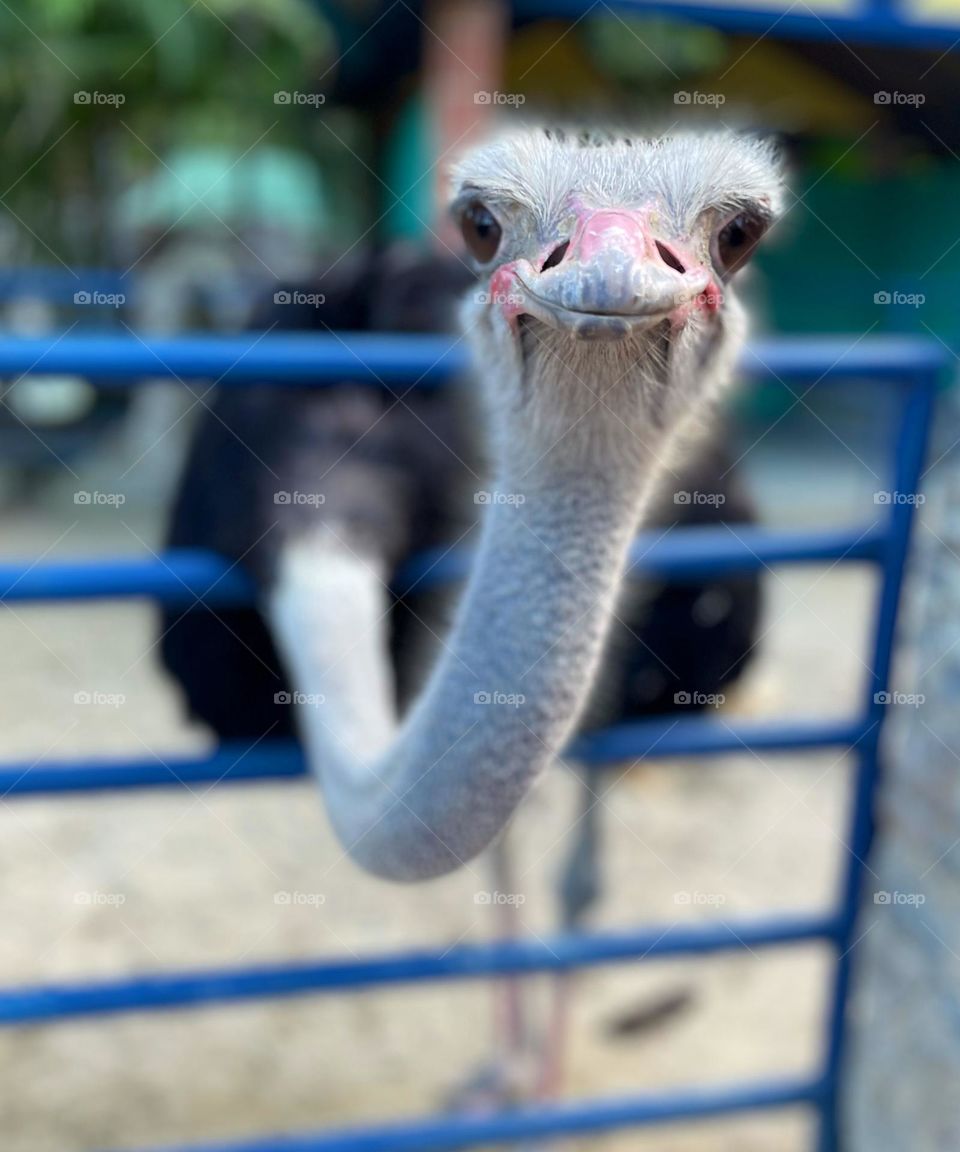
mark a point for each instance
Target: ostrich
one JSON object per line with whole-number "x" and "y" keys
{"x": 604, "y": 329}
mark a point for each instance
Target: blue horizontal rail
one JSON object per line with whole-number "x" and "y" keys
{"x": 443, "y": 1134}
{"x": 181, "y": 577}
{"x": 703, "y": 736}
{"x": 684, "y": 553}
{"x": 158, "y": 991}
{"x": 869, "y": 21}
{"x": 395, "y": 359}
{"x": 282, "y": 760}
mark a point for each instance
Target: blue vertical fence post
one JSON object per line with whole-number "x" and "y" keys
{"x": 909, "y": 451}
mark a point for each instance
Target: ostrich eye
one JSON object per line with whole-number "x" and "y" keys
{"x": 481, "y": 232}
{"x": 736, "y": 241}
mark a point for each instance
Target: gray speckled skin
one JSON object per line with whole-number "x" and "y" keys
{"x": 580, "y": 430}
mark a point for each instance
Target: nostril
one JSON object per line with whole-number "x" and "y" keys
{"x": 556, "y": 256}
{"x": 669, "y": 258}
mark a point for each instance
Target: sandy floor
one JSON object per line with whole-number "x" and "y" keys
{"x": 198, "y": 873}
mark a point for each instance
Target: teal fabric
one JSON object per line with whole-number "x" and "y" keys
{"x": 409, "y": 203}
{"x": 861, "y": 251}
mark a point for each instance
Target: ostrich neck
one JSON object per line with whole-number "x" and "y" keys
{"x": 508, "y": 686}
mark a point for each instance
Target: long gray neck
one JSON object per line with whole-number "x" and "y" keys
{"x": 507, "y": 689}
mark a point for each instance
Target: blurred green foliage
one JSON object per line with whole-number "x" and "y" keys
{"x": 95, "y": 92}
{"x": 652, "y": 51}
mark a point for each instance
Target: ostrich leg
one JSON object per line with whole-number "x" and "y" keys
{"x": 579, "y": 889}
{"x": 505, "y": 1078}
{"x": 511, "y": 1007}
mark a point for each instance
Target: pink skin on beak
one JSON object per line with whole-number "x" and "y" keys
{"x": 598, "y": 232}
{"x": 622, "y": 241}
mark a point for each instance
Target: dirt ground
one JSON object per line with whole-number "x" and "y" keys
{"x": 199, "y": 871}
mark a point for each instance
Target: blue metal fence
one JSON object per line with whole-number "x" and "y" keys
{"x": 188, "y": 577}
{"x": 904, "y": 23}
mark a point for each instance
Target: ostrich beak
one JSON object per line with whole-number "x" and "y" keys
{"x": 612, "y": 279}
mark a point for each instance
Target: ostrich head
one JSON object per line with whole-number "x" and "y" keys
{"x": 607, "y": 260}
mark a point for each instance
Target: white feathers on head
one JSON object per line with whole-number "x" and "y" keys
{"x": 687, "y": 171}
